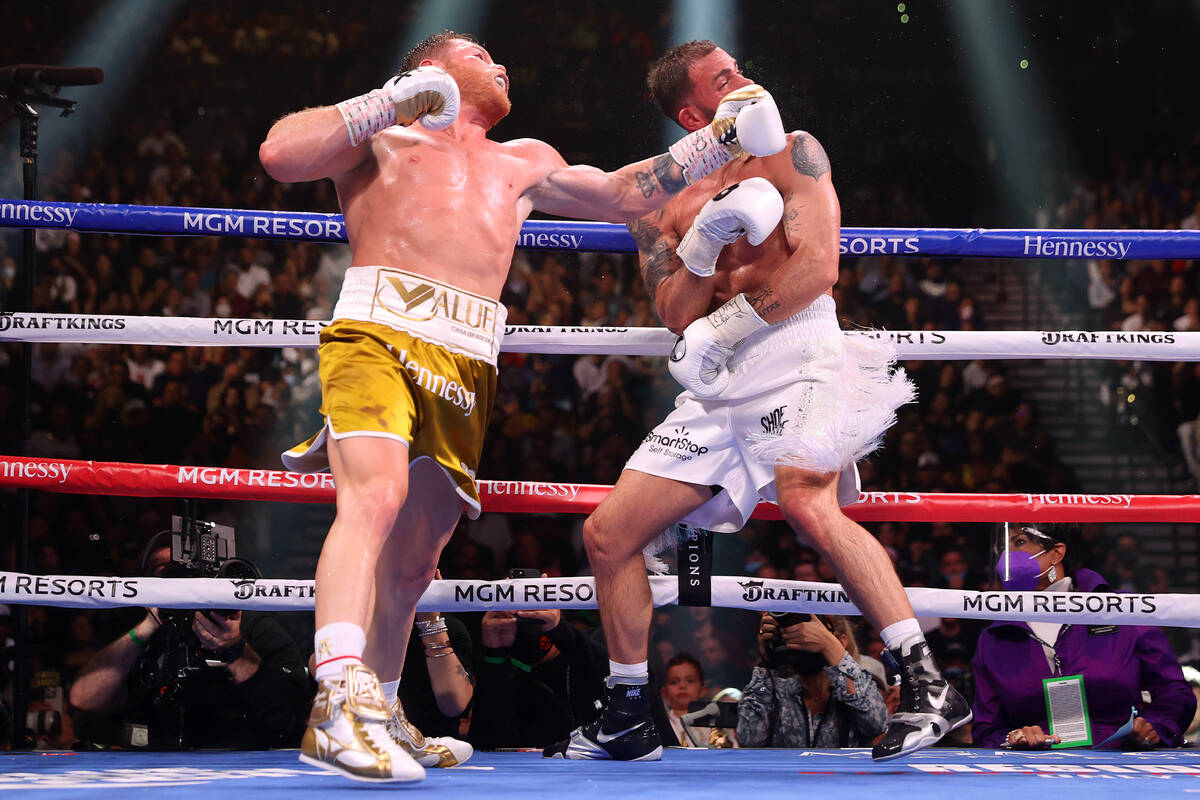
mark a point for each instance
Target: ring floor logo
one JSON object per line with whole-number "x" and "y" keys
{"x": 153, "y": 777}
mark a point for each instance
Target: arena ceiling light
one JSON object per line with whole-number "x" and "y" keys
{"x": 435, "y": 16}
{"x": 1008, "y": 100}
{"x": 105, "y": 41}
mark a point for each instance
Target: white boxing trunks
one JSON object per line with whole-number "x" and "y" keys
{"x": 800, "y": 393}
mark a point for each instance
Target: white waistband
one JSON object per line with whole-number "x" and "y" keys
{"x": 817, "y": 323}
{"x": 461, "y": 321}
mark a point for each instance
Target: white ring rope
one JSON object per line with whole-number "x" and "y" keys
{"x": 755, "y": 594}
{"x": 938, "y": 345}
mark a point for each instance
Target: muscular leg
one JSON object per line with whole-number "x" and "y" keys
{"x": 930, "y": 706}
{"x": 809, "y": 504}
{"x": 639, "y": 507}
{"x": 407, "y": 564}
{"x": 371, "y": 474}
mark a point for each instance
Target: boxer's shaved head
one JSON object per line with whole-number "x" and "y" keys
{"x": 669, "y": 81}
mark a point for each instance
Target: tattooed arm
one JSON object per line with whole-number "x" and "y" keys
{"x": 586, "y": 192}
{"x": 812, "y": 219}
{"x": 679, "y": 296}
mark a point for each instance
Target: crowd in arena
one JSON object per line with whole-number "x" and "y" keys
{"x": 556, "y": 418}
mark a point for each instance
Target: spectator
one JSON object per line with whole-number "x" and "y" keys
{"x": 1192, "y": 676}
{"x": 539, "y": 678}
{"x": 808, "y": 691}
{"x": 683, "y": 685}
{"x": 154, "y": 687}
{"x": 1118, "y": 663}
{"x": 435, "y": 690}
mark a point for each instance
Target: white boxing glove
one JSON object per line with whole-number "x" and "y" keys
{"x": 751, "y": 208}
{"x": 746, "y": 121}
{"x": 699, "y": 356}
{"x": 425, "y": 93}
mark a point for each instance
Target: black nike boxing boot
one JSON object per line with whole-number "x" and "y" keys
{"x": 624, "y": 731}
{"x": 929, "y": 706}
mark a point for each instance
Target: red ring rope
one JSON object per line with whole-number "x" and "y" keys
{"x": 163, "y": 480}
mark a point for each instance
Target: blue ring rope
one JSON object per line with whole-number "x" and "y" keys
{"x": 602, "y": 236}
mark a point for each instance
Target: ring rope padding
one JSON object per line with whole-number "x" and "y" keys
{"x": 755, "y": 594}
{"x": 581, "y": 340}
{"x": 602, "y": 236}
{"x": 534, "y": 497}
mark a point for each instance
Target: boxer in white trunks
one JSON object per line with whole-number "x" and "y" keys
{"x": 777, "y": 404}
{"x": 408, "y": 366}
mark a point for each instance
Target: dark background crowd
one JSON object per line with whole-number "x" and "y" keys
{"x": 910, "y": 143}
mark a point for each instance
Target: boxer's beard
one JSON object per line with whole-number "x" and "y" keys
{"x": 478, "y": 89}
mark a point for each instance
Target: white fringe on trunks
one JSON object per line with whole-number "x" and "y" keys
{"x": 847, "y": 411}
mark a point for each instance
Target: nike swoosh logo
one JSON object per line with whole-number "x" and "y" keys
{"x": 940, "y": 701}
{"x": 605, "y": 738}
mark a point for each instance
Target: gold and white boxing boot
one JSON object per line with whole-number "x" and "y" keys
{"x": 429, "y": 751}
{"x": 348, "y": 731}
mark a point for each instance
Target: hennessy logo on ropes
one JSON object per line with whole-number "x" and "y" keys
{"x": 419, "y": 301}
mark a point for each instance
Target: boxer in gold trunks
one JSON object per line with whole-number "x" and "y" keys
{"x": 433, "y": 209}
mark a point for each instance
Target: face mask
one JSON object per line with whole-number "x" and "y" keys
{"x": 1022, "y": 570}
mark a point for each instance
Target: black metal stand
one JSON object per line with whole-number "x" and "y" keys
{"x": 20, "y": 103}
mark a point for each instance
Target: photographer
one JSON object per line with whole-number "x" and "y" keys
{"x": 809, "y": 691}
{"x": 189, "y": 679}
{"x": 539, "y": 678}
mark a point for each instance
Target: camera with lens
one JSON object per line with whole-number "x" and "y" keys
{"x": 199, "y": 549}
{"x": 778, "y": 653}
{"x": 530, "y": 645}
{"x": 202, "y": 549}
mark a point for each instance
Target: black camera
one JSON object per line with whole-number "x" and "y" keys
{"x": 778, "y": 653}
{"x": 531, "y": 645}
{"x": 199, "y": 549}
{"x": 805, "y": 662}
{"x": 202, "y": 549}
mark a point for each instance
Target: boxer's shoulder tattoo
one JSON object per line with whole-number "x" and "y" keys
{"x": 669, "y": 174}
{"x": 763, "y": 301}
{"x": 645, "y": 230}
{"x": 808, "y": 157}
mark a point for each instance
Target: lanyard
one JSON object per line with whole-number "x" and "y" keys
{"x": 812, "y": 736}
{"x": 1051, "y": 648}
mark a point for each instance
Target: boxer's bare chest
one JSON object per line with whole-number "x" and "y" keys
{"x": 741, "y": 267}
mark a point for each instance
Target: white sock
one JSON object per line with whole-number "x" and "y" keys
{"x": 639, "y": 670}
{"x": 338, "y": 644}
{"x": 896, "y": 633}
{"x": 390, "y": 690}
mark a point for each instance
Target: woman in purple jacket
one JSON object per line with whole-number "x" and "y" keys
{"x": 1118, "y": 662}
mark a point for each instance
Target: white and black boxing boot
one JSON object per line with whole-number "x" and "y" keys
{"x": 929, "y": 706}
{"x": 624, "y": 731}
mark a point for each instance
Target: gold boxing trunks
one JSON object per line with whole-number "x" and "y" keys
{"x": 420, "y": 368}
